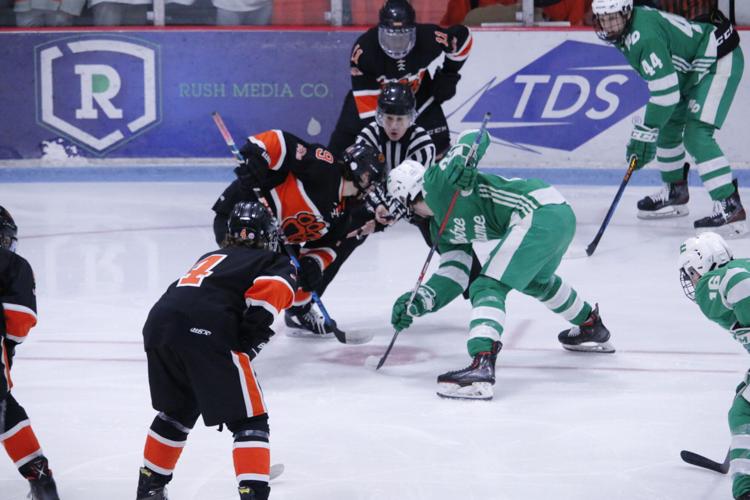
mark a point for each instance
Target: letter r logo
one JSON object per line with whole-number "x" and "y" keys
{"x": 100, "y": 83}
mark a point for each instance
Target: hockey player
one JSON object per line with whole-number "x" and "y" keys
{"x": 400, "y": 49}
{"x": 693, "y": 71}
{"x": 201, "y": 338}
{"x": 534, "y": 226}
{"x": 312, "y": 194}
{"x": 17, "y": 317}
{"x": 720, "y": 285}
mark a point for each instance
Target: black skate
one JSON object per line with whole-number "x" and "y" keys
{"x": 473, "y": 382}
{"x": 248, "y": 493}
{"x": 591, "y": 336}
{"x": 40, "y": 480}
{"x": 671, "y": 201}
{"x": 152, "y": 485}
{"x": 307, "y": 322}
{"x": 728, "y": 218}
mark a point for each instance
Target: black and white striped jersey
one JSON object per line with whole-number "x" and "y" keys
{"x": 416, "y": 144}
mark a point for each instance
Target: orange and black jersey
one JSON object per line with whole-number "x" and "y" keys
{"x": 227, "y": 300}
{"x": 303, "y": 184}
{"x": 17, "y": 297}
{"x": 371, "y": 68}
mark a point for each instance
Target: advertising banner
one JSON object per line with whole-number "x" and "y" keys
{"x": 558, "y": 98}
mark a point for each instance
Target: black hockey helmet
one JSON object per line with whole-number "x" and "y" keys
{"x": 397, "y": 28}
{"x": 251, "y": 224}
{"x": 396, "y": 99}
{"x": 363, "y": 165}
{"x": 8, "y": 231}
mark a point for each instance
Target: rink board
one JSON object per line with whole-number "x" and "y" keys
{"x": 559, "y": 98}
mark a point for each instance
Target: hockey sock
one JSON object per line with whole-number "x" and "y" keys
{"x": 739, "y": 450}
{"x": 18, "y": 437}
{"x": 561, "y": 299}
{"x": 487, "y": 314}
{"x": 166, "y": 439}
{"x": 252, "y": 454}
{"x": 713, "y": 166}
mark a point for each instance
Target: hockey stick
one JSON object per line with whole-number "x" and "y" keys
{"x": 706, "y": 463}
{"x": 433, "y": 248}
{"x": 631, "y": 168}
{"x": 340, "y": 335}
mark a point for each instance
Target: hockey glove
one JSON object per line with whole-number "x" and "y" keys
{"x": 252, "y": 170}
{"x": 642, "y": 144}
{"x": 444, "y": 85}
{"x": 460, "y": 169}
{"x": 401, "y": 319}
{"x": 10, "y": 351}
{"x": 309, "y": 276}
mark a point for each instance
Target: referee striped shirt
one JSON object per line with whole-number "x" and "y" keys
{"x": 416, "y": 144}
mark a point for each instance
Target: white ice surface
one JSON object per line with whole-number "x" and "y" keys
{"x": 563, "y": 425}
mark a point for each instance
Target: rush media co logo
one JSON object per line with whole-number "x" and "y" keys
{"x": 562, "y": 100}
{"x": 99, "y": 91}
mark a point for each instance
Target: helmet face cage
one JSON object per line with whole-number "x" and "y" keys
{"x": 251, "y": 225}
{"x": 611, "y": 27}
{"x": 405, "y": 184}
{"x": 700, "y": 255}
{"x": 8, "y": 231}
{"x": 397, "y": 31}
{"x": 688, "y": 285}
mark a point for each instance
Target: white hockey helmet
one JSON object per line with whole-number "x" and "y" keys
{"x": 612, "y": 18}
{"x": 699, "y": 255}
{"x": 405, "y": 182}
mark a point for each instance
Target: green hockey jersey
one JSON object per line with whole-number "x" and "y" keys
{"x": 484, "y": 214}
{"x": 724, "y": 297}
{"x": 671, "y": 53}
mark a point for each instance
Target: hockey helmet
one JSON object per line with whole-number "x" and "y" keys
{"x": 252, "y": 225}
{"x": 8, "y": 231}
{"x": 364, "y": 165}
{"x": 396, "y": 99}
{"x": 699, "y": 255}
{"x": 397, "y": 28}
{"x": 612, "y": 19}
{"x": 405, "y": 183}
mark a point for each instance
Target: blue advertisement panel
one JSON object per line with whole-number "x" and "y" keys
{"x": 151, "y": 94}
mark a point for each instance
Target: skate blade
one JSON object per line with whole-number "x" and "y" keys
{"x": 664, "y": 213}
{"x": 301, "y": 333}
{"x": 480, "y": 391}
{"x": 728, "y": 231}
{"x": 599, "y": 347}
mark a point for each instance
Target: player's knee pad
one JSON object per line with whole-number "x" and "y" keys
{"x": 174, "y": 425}
{"x": 13, "y": 413}
{"x": 699, "y": 141}
{"x": 484, "y": 287}
{"x": 250, "y": 429}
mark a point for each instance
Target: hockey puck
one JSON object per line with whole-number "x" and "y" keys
{"x": 372, "y": 361}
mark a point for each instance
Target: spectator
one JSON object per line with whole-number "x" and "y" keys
{"x": 120, "y": 13}
{"x": 456, "y": 10}
{"x": 243, "y": 12}
{"x": 31, "y": 13}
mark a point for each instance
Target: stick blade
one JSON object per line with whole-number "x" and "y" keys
{"x": 706, "y": 463}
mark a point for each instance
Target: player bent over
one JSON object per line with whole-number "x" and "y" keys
{"x": 720, "y": 285}
{"x": 201, "y": 338}
{"x": 313, "y": 195}
{"x": 693, "y": 70}
{"x": 17, "y": 317}
{"x": 534, "y": 226}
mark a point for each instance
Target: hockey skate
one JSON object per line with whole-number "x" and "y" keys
{"x": 671, "y": 201}
{"x": 591, "y": 336}
{"x": 473, "y": 382}
{"x": 40, "y": 480}
{"x": 248, "y": 493}
{"x": 728, "y": 218}
{"x": 152, "y": 485}
{"x": 308, "y": 323}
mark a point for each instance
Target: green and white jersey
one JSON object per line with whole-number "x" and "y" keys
{"x": 485, "y": 214}
{"x": 724, "y": 297}
{"x": 671, "y": 53}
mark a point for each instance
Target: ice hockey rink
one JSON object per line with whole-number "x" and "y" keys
{"x": 568, "y": 426}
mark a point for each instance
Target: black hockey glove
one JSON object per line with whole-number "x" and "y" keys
{"x": 309, "y": 276}
{"x": 253, "y": 169}
{"x": 10, "y": 350}
{"x": 444, "y": 85}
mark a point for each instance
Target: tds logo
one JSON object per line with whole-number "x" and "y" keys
{"x": 99, "y": 91}
{"x": 563, "y": 99}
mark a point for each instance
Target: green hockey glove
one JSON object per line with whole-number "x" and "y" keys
{"x": 401, "y": 319}
{"x": 642, "y": 144}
